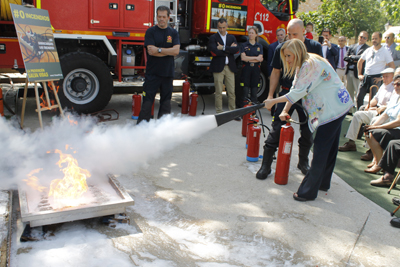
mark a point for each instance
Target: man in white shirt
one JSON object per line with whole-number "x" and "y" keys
{"x": 341, "y": 64}
{"x": 376, "y": 107}
{"x": 376, "y": 59}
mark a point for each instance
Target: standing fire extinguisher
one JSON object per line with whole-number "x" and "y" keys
{"x": 245, "y": 121}
{"x": 253, "y": 137}
{"x": 185, "y": 97}
{"x": 250, "y": 121}
{"x": 193, "y": 104}
{"x": 284, "y": 153}
{"x": 136, "y": 106}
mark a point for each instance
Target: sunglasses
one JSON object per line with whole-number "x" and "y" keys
{"x": 396, "y": 84}
{"x": 363, "y": 37}
{"x": 387, "y": 37}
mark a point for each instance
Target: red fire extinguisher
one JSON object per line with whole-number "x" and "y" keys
{"x": 193, "y": 104}
{"x": 136, "y": 106}
{"x": 185, "y": 97}
{"x": 253, "y": 148}
{"x": 284, "y": 153}
{"x": 245, "y": 121}
{"x": 250, "y": 121}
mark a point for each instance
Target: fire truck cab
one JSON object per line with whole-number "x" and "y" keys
{"x": 101, "y": 41}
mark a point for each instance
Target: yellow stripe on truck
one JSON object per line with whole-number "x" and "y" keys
{"x": 208, "y": 14}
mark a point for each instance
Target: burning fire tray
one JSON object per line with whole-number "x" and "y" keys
{"x": 101, "y": 199}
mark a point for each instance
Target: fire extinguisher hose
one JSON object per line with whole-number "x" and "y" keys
{"x": 305, "y": 113}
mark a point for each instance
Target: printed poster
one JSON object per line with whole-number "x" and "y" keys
{"x": 235, "y": 15}
{"x": 37, "y": 44}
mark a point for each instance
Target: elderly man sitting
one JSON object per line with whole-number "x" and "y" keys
{"x": 376, "y": 107}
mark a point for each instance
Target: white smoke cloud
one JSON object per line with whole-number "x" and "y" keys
{"x": 101, "y": 149}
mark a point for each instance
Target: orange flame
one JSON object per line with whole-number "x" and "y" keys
{"x": 66, "y": 191}
{"x": 32, "y": 181}
{"x": 73, "y": 185}
{"x": 72, "y": 122}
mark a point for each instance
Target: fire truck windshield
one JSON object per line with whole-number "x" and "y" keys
{"x": 281, "y": 6}
{"x": 231, "y": 1}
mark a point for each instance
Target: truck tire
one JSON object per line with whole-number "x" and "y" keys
{"x": 87, "y": 86}
{"x": 263, "y": 89}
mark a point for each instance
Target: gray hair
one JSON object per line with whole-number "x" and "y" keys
{"x": 280, "y": 29}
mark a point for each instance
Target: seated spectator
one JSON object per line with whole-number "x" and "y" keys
{"x": 375, "y": 108}
{"x": 379, "y": 135}
{"x": 388, "y": 163}
{"x": 397, "y": 72}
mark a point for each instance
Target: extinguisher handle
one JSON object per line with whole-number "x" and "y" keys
{"x": 287, "y": 117}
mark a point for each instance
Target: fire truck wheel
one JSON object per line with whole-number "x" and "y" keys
{"x": 263, "y": 89}
{"x": 87, "y": 85}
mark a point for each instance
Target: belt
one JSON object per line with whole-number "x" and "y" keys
{"x": 252, "y": 64}
{"x": 340, "y": 68}
{"x": 285, "y": 88}
{"x": 372, "y": 75}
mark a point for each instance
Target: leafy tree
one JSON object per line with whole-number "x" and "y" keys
{"x": 391, "y": 9}
{"x": 349, "y": 17}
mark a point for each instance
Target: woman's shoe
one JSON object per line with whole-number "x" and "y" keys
{"x": 373, "y": 169}
{"x": 371, "y": 165}
{"x": 302, "y": 199}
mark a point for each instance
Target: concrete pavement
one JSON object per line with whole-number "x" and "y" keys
{"x": 201, "y": 205}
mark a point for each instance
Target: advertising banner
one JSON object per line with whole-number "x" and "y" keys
{"x": 37, "y": 44}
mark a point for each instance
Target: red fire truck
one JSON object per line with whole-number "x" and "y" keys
{"x": 101, "y": 41}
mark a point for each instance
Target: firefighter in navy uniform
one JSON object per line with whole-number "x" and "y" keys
{"x": 162, "y": 43}
{"x": 295, "y": 31}
{"x": 251, "y": 54}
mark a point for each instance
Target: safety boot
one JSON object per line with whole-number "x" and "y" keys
{"x": 254, "y": 95}
{"x": 246, "y": 91}
{"x": 303, "y": 160}
{"x": 265, "y": 169}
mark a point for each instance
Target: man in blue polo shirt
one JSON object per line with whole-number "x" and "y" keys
{"x": 162, "y": 43}
{"x": 295, "y": 30}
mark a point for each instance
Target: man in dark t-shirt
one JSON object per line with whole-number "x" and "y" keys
{"x": 295, "y": 30}
{"x": 162, "y": 44}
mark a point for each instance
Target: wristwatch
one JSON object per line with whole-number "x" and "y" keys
{"x": 159, "y": 50}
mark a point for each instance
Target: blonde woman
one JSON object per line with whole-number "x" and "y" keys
{"x": 327, "y": 102}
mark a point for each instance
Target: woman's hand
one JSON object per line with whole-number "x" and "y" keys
{"x": 269, "y": 103}
{"x": 283, "y": 115}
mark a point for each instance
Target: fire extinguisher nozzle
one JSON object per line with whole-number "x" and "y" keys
{"x": 225, "y": 117}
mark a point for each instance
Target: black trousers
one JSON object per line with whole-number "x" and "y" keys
{"x": 306, "y": 138}
{"x": 364, "y": 88}
{"x": 326, "y": 145}
{"x": 151, "y": 84}
{"x": 391, "y": 156}
{"x": 251, "y": 75}
{"x": 384, "y": 136}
